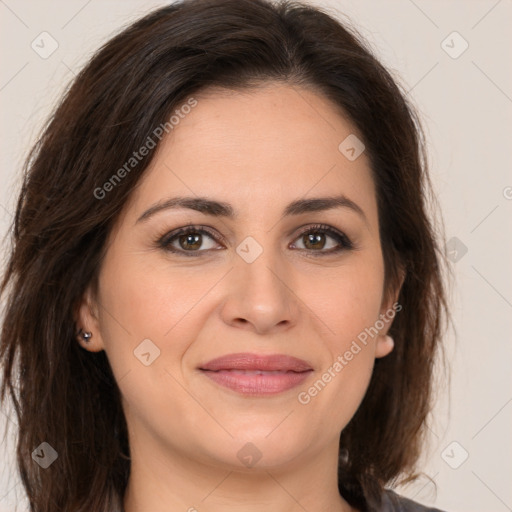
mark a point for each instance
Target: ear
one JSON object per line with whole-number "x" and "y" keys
{"x": 87, "y": 319}
{"x": 384, "y": 343}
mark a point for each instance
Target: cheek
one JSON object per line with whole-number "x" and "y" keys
{"x": 348, "y": 300}
{"x": 157, "y": 303}
{"x": 151, "y": 299}
{"x": 348, "y": 305}
{"x": 342, "y": 381}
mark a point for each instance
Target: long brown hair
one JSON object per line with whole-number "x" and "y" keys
{"x": 67, "y": 396}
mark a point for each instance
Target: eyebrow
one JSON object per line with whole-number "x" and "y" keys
{"x": 222, "y": 209}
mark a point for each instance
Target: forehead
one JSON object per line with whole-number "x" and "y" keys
{"x": 258, "y": 148}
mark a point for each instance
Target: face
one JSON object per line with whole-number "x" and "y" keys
{"x": 268, "y": 272}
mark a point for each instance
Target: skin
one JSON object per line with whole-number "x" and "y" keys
{"x": 257, "y": 150}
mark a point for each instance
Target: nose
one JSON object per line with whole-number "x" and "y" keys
{"x": 260, "y": 295}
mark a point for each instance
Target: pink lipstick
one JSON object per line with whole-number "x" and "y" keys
{"x": 257, "y": 375}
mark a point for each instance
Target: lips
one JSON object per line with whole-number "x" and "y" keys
{"x": 255, "y": 362}
{"x": 257, "y": 375}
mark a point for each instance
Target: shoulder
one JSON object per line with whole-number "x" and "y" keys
{"x": 393, "y": 502}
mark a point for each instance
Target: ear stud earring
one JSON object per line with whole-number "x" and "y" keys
{"x": 86, "y": 336}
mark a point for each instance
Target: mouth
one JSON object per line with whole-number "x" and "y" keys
{"x": 257, "y": 375}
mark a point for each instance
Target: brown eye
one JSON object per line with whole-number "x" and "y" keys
{"x": 315, "y": 239}
{"x": 188, "y": 241}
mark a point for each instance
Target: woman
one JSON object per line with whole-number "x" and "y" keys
{"x": 224, "y": 291}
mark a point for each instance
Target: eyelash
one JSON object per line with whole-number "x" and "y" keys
{"x": 346, "y": 244}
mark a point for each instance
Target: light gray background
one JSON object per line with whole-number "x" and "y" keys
{"x": 466, "y": 103}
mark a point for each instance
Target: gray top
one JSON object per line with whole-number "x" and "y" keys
{"x": 393, "y": 502}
